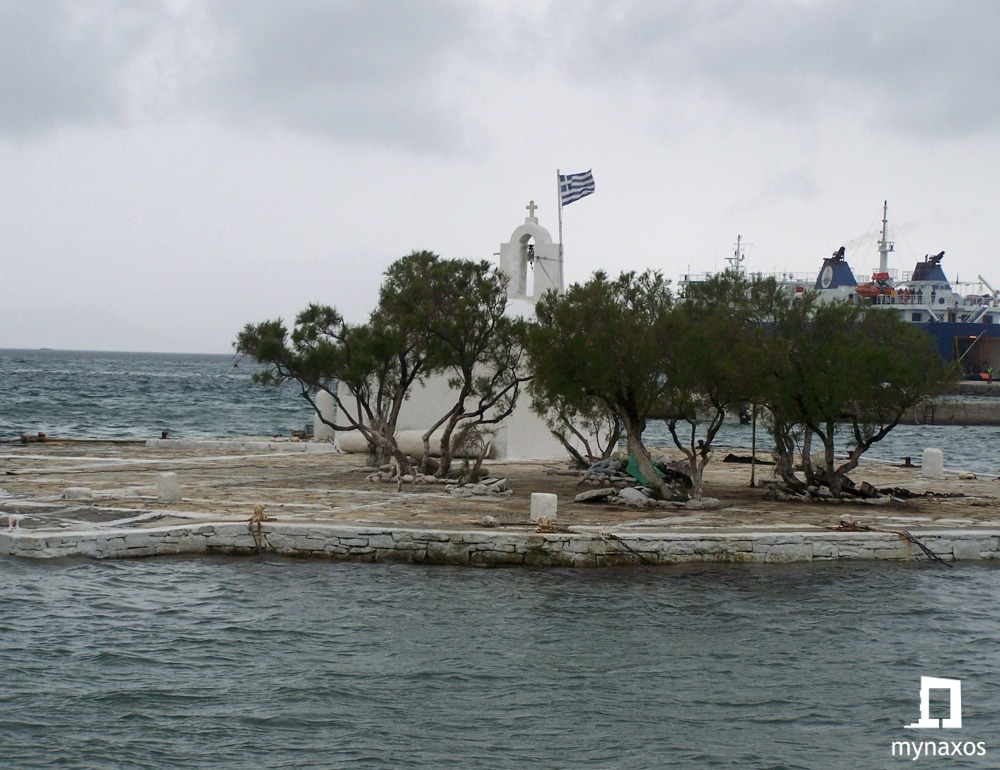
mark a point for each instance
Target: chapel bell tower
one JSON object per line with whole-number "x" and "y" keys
{"x": 531, "y": 244}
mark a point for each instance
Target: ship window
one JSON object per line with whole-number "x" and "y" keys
{"x": 987, "y": 319}
{"x": 917, "y": 318}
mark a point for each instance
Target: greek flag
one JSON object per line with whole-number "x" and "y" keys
{"x": 572, "y": 187}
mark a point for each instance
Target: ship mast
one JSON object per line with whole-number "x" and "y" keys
{"x": 738, "y": 255}
{"x": 884, "y": 244}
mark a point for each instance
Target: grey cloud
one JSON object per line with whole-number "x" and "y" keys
{"x": 64, "y": 62}
{"x": 400, "y": 73}
{"x": 370, "y": 71}
{"x": 373, "y": 71}
{"x": 917, "y": 67}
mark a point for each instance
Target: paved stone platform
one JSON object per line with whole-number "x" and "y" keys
{"x": 102, "y": 500}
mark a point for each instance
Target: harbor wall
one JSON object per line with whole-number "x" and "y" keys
{"x": 578, "y": 548}
{"x": 945, "y": 411}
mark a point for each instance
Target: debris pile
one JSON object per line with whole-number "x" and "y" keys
{"x": 487, "y": 487}
{"x": 620, "y": 483}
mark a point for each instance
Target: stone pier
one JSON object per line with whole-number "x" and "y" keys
{"x": 66, "y": 499}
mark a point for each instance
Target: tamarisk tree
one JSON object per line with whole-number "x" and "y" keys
{"x": 587, "y": 429}
{"x": 376, "y": 363}
{"x": 434, "y": 317}
{"x": 714, "y": 360}
{"x": 460, "y": 306}
{"x": 604, "y": 341}
{"x": 844, "y": 371}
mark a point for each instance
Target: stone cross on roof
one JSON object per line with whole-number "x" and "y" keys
{"x": 531, "y": 209}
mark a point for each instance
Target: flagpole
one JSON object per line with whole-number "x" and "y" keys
{"x": 559, "y": 200}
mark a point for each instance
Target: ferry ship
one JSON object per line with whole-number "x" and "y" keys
{"x": 963, "y": 318}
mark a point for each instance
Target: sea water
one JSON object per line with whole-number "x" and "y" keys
{"x": 78, "y": 394}
{"x": 266, "y": 662}
{"x": 139, "y": 395}
{"x": 272, "y": 663}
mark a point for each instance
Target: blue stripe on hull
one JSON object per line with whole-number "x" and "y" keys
{"x": 944, "y": 334}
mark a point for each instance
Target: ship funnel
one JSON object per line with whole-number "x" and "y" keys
{"x": 835, "y": 273}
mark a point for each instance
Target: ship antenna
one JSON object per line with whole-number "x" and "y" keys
{"x": 884, "y": 244}
{"x": 738, "y": 256}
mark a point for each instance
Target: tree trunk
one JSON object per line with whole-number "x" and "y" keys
{"x": 426, "y": 438}
{"x": 578, "y": 460}
{"x": 447, "y": 449}
{"x": 698, "y": 472}
{"x": 644, "y": 462}
{"x": 834, "y": 478}
{"x": 784, "y": 454}
{"x": 807, "y": 466}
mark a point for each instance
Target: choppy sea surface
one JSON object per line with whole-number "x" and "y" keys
{"x": 77, "y": 394}
{"x": 273, "y": 663}
{"x": 270, "y": 663}
{"x": 80, "y": 394}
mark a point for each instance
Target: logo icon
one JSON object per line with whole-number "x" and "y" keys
{"x": 954, "y": 720}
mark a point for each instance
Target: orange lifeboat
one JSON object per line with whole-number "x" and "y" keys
{"x": 879, "y": 284}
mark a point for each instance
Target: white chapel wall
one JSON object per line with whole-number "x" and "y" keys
{"x": 523, "y": 435}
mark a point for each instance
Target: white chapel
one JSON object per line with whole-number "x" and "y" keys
{"x": 533, "y": 264}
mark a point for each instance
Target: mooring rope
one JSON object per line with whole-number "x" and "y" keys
{"x": 255, "y": 525}
{"x": 855, "y": 527}
{"x": 615, "y": 538}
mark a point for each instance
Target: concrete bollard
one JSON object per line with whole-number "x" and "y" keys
{"x": 326, "y": 407}
{"x": 543, "y": 504}
{"x": 932, "y": 464}
{"x": 168, "y": 488}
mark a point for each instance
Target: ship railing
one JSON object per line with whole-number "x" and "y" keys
{"x": 902, "y": 297}
{"x": 780, "y": 277}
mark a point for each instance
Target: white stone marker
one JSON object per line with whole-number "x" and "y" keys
{"x": 325, "y": 407}
{"x": 932, "y": 464}
{"x": 168, "y": 488}
{"x": 543, "y": 504}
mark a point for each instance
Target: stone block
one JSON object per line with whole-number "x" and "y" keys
{"x": 543, "y": 504}
{"x": 790, "y": 552}
{"x": 966, "y": 549}
{"x": 631, "y": 495}
{"x": 576, "y": 545}
{"x": 137, "y": 540}
{"x": 168, "y": 488}
{"x": 595, "y": 495}
{"x": 932, "y": 464}
{"x": 447, "y": 553}
{"x": 823, "y": 549}
{"x": 381, "y": 541}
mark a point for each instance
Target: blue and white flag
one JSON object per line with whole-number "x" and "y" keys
{"x": 572, "y": 187}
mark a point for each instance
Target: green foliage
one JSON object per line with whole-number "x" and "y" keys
{"x": 716, "y": 359}
{"x": 459, "y": 308}
{"x": 371, "y": 360}
{"x": 603, "y": 341}
{"x": 589, "y": 425}
{"x": 847, "y": 371}
{"x": 824, "y": 370}
{"x": 434, "y": 316}
{"x": 610, "y": 352}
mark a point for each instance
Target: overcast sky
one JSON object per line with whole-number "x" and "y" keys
{"x": 174, "y": 169}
